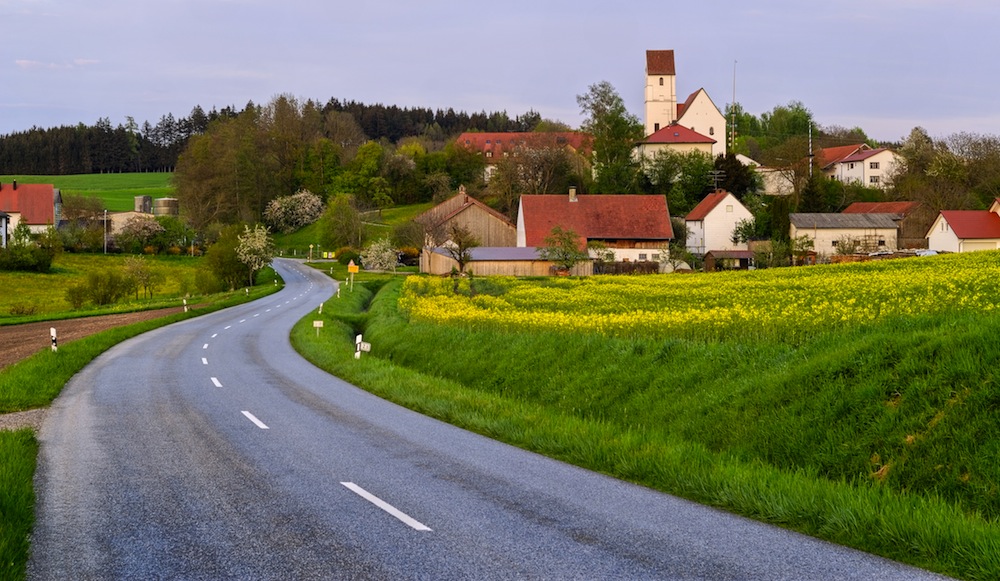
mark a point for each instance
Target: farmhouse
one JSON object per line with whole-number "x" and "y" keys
{"x": 966, "y": 230}
{"x": 711, "y": 223}
{"x": 868, "y": 232}
{"x": 489, "y": 227}
{"x": 633, "y": 227}
{"x": 37, "y": 205}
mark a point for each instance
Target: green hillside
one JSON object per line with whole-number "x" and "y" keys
{"x": 118, "y": 191}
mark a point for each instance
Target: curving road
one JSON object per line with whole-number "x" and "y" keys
{"x": 209, "y": 449}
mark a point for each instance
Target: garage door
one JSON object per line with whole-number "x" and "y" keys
{"x": 970, "y": 246}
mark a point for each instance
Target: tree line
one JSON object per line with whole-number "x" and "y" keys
{"x": 133, "y": 147}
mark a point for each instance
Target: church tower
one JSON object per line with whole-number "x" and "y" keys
{"x": 661, "y": 90}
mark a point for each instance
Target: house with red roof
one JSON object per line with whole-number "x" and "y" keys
{"x": 859, "y": 163}
{"x": 633, "y": 227}
{"x": 711, "y": 223}
{"x": 697, "y": 113}
{"x": 37, "y": 205}
{"x": 913, "y": 218}
{"x": 966, "y": 230}
{"x": 674, "y": 137}
{"x": 496, "y": 146}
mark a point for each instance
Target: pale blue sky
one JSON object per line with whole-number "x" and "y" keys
{"x": 884, "y": 65}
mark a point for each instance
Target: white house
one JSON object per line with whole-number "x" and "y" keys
{"x": 776, "y": 181}
{"x": 698, "y": 113}
{"x": 859, "y": 164}
{"x": 673, "y": 137}
{"x": 711, "y": 223}
{"x": 872, "y": 232}
{"x": 966, "y": 230}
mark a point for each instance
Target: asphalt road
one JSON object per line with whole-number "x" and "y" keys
{"x": 209, "y": 449}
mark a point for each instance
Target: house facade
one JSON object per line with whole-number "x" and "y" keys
{"x": 698, "y": 112}
{"x": 859, "y": 164}
{"x": 828, "y": 231}
{"x": 37, "y": 205}
{"x": 710, "y": 224}
{"x": 673, "y": 137}
{"x": 491, "y": 228}
{"x": 633, "y": 227}
{"x": 966, "y": 230}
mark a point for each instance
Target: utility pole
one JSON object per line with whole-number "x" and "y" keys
{"x": 732, "y": 130}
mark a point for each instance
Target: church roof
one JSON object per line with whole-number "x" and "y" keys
{"x": 675, "y": 133}
{"x": 660, "y": 62}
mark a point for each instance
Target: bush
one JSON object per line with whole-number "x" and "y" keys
{"x": 380, "y": 255}
{"x": 206, "y": 282}
{"x": 346, "y": 255}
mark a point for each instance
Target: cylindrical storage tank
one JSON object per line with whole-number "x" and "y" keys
{"x": 144, "y": 204}
{"x": 166, "y": 207}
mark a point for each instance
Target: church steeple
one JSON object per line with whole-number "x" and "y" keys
{"x": 661, "y": 90}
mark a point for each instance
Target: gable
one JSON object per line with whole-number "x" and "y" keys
{"x": 828, "y": 156}
{"x": 709, "y": 203}
{"x": 591, "y": 216}
{"x": 972, "y": 224}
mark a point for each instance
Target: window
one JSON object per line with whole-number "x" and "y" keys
{"x": 881, "y": 242}
{"x": 873, "y": 179}
{"x": 661, "y": 81}
{"x": 729, "y": 208}
{"x": 711, "y": 130}
{"x": 834, "y": 243}
{"x": 656, "y": 127}
{"x": 489, "y": 154}
{"x": 487, "y": 141}
{"x": 849, "y": 166}
{"x": 873, "y": 165}
{"x": 656, "y": 258}
{"x": 642, "y": 256}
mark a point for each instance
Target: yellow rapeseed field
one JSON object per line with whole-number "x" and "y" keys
{"x": 782, "y": 301}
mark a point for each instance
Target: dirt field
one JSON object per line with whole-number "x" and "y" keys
{"x": 20, "y": 341}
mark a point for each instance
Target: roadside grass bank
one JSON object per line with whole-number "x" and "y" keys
{"x": 34, "y": 383}
{"x": 878, "y": 437}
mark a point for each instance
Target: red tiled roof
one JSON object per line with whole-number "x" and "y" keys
{"x": 660, "y": 62}
{"x": 863, "y": 155}
{"x": 601, "y": 217}
{"x": 831, "y": 155}
{"x": 508, "y": 141}
{"x": 675, "y": 133}
{"x": 35, "y": 202}
{"x": 901, "y": 208}
{"x": 705, "y": 206}
{"x": 972, "y": 224}
{"x": 682, "y": 107}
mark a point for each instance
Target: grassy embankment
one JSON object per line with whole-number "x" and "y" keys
{"x": 118, "y": 191}
{"x": 377, "y": 225}
{"x": 36, "y": 381}
{"x": 880, "y": 435}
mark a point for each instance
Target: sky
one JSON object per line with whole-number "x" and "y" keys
{"x": 886, "y": 66}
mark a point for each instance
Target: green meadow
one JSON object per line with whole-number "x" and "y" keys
{"x": 118, "y": 191}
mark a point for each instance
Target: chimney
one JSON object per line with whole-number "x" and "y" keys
{"x": 572, "y": 193}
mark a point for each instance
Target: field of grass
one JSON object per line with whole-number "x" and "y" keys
{"x": 33, "y": 296}
{"x": 118, "y": 190}
{"x": 879, "y": 433}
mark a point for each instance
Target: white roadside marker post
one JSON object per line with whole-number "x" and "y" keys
{"x": 55, "y": 343}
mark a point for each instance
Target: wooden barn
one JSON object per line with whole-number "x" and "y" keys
{"x": 496, "y": 261}
{"x": 491, "y": 228}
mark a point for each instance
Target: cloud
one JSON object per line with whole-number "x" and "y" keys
{"x": 33, "y": 65}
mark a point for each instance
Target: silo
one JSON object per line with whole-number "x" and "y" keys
{"x": 166, "y": 207}
{"x": 144, "y": 204}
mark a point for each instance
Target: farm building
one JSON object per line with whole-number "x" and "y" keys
{"x": 913, "y": 218}
{"x": 710, "y": 224}
{"x": 633, "y": 227}
{"x": 37, "y": 205}
{"x": 490, "y": 228}
{"x": 966, "y": 230}
{"x": 728, "y": 260}
{"x": 503, "y": 261}
{"x": 867, "y": 232}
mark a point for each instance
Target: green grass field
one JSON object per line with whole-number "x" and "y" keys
{"x": 118, "y": 191}
{"x": 33, "y": 296}
{"x": 882, "y": 436}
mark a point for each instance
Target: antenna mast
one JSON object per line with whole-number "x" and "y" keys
{"x": 732, "y": 130}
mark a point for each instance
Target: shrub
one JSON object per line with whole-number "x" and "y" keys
{"x": 380, "y": 255}
{"x": 346, "y": 255}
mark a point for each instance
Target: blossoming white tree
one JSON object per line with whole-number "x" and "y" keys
{"x": 255, "y": 249}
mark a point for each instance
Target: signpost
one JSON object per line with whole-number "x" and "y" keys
{"x": 352, "y": 269}
{"x": 55, "y": 343}
{"x": 318, "y": 325}
{"x": 361, "y": 347}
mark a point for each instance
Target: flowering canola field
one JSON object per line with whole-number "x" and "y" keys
{"x": 773, "y": 302}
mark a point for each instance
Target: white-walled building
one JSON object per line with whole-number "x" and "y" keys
{"x": 711, "y": 223}
{"x": 966, "y": 230}
{"x": 875, "y": 232}
{"x": 698, "y": 112}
